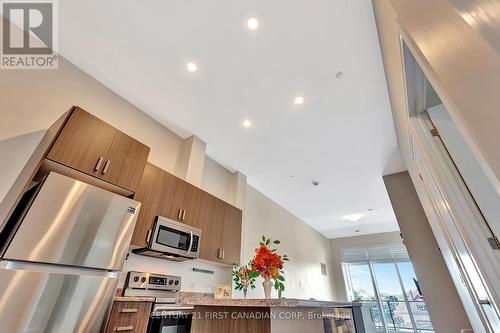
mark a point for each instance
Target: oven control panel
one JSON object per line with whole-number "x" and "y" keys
{"x": 142, "y": 280}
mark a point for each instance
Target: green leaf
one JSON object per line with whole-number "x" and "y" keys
{"x": 253, "y": 287}
{"x": 276, "y": 242}
{"x": 263, "y": 238}
{"x": 261, "y": 244}
{"x": 254, "y": 274}
{"x": 281, "y": 278}
{"x": 268, "y": 241}
{"x": 282, "y": 287}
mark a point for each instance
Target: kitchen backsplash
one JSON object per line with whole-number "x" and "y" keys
{"x": 191, "y": 281}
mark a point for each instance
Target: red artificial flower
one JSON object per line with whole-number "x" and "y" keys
{"x": 267, "y": 262}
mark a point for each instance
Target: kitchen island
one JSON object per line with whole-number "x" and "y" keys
{"x": 272, "y": 315}
{"x": 256, "y": 315}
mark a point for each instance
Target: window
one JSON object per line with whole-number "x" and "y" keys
{"x": 383, "y": 279}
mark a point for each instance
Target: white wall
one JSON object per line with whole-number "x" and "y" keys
{"x": 306, "y": 247}
{"x": 31, "y": 100}
{"x": 15, "y": 153}
{"x": 217, "y": 180}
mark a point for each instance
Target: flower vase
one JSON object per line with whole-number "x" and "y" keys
{"x": 245, "y": 291}
{"x": 267, "y": 284}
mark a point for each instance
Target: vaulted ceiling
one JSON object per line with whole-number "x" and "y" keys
{"x": 326, "y": 51}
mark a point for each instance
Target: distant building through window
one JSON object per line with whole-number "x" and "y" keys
{"x": 383, "y": 279}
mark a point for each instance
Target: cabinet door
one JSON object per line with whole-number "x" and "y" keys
{"x": 129, "y": 317}
{"x": 161, "y": 195}
{"x": 211, "y": 240}
{"x": 197, "y": 204}
{"x": 231, "y": 235}
{"x": 83, "y": 141}
{"x": 125, "y": 162}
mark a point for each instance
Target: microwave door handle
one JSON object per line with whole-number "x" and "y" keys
{"x": 190, "y": 242}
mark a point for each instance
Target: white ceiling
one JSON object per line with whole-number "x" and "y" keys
{"x": 342, "y": 136}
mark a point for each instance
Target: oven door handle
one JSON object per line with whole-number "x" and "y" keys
{"x": 172, "y": 311}
{"x": 190, "y": 243}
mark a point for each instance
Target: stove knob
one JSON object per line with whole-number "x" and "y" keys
{"x": 143, "y": 279}
{"x": 170, "y": 282}
{"x": 176, "y": 282}
{"x": 136, "y": 278}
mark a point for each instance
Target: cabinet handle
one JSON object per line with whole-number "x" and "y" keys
{"x": 128, "y": 311}
{"x": 124, "y": 328}
{"x": 106, "y": 167}
{"x": 220, "y": 254}
{"x": 148, "y": 236}
{"x": 183, "y": 217}
{"x": 179, "y": 214}
{"x": 98, "y": 164}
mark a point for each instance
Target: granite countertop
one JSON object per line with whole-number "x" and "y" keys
{"x": 208, "y": 300}
{"x": 202, "y": 299}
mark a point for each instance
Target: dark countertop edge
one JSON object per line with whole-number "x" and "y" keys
{"x": 134, "y": 299}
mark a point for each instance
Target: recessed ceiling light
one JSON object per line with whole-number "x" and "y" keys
{"x": 315, "y": 182}
{"x": 252, "y": 23}
{"x": 370, "y": 209}
{"x": 353, "y": 217}
{"x": 339, "y": 75}
{"x": 247, "y": 123}
{"x": 299, "y": 100}
{"x": 192, "y": 67}
{"x": 357, "y": 230}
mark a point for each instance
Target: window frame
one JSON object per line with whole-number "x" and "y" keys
{"x": 378, "y": 301}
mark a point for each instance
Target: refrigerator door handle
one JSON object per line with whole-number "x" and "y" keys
{"x": 58, "y": 269}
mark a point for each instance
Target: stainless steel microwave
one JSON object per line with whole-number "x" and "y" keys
{"x": 169, "y": 239}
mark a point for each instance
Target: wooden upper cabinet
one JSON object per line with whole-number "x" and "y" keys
{"x": 231, "y": 239}
{"x": 163, "y": 194}
{"x": 211, "y": 240}
{"x": 198, "y": 206}
{"x": 94, "y": 147}
{"x": 221, "y": 239}
{"x": 125, "y": 161}
{"x": 83, "y": 142}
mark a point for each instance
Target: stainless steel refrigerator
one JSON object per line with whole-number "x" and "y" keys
{"x": 61, "y": 260}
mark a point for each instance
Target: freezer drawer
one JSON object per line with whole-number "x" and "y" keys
{"x": 53, "y": 302}
{"x": 76, "y": 224}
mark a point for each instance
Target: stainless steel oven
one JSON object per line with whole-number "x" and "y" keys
{"x": 166, "y": 316}
{"x": 170, "y": 318}
{"x": 169, "y": 239}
